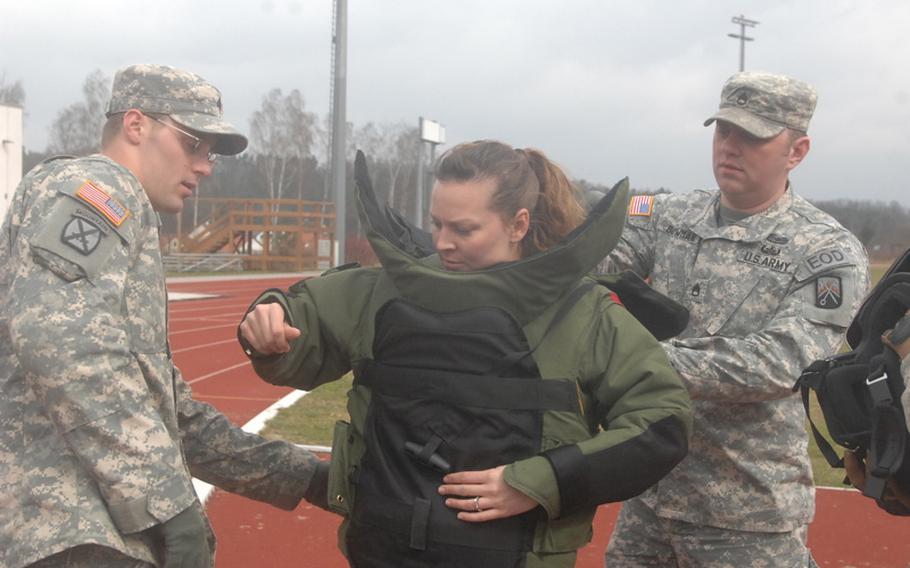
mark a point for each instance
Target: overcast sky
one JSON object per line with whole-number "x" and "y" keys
{"x": 606, "y": 88}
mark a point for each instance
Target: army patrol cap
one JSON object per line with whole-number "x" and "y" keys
{"x": 763, "y": 104}
{"x": 185, "y": 97}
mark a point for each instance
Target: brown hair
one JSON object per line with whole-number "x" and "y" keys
{"x": 525, "y": 178}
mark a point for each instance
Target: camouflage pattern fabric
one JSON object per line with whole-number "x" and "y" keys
{"x": 184, "y": 96}
{"x": 90, "y": 556}
{"x": 905, "y": 397}
{"x": 764, "y": 104}
{"x": 641, "y": 538}
{"x": 767, "y": 296}
{"x": 92, "y": 408}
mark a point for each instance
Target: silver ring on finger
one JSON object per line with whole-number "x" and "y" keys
{"x": 477, "y": 507}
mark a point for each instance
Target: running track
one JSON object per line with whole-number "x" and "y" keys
{"x": 848, "y": 531}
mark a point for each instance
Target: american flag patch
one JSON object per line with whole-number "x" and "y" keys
{"x": 641, "y": 205}
{"x": 115, "y": 212}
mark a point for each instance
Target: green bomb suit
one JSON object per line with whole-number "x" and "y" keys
{"x": 620, "y": 424}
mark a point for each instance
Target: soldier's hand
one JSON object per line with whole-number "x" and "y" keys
{"x": 318, "y": 491}
{"x": 899, "y": 337}
{"x": 266, "y": 331}
{"x": 185, "y": 540}
{"x": 894, "y": 499}
{"x": 856, "y": 470}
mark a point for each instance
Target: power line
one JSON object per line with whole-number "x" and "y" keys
{"x": 743, "y": 22}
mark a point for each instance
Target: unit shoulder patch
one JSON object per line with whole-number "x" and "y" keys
{"x": 81, "y": 235}
{"x": 828, "y": 292}
{"x": 826, "y": 259}
{"x": 103, "y": 202}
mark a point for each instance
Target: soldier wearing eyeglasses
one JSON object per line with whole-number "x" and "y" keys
{"x": 100, "y": 434}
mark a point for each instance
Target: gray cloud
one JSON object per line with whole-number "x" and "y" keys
{"x": 606, "y": 88}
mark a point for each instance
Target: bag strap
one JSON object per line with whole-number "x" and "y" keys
{"x": 811, "y": 378}
{"x": 889, "y": 432}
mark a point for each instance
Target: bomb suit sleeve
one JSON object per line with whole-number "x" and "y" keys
{"x": 636, "y": 409}
{"x": 333, "y": 314}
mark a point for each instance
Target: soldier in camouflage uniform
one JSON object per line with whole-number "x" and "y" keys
{"x": 99, "y": 431}
{"x": 771, "y": 283}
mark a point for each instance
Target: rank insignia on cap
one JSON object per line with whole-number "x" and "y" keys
{"x": 828, "y": 293}
{"x": 112, "y": 209}
{"x": 81, "y": 235}
{"x": 641, "y": 205}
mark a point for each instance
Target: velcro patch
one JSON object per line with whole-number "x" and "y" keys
{"x": 777, "y": 239}
{"x": 765, "y": 261}
{"x": 826, "y": 259}
{"x": 94, "y": 218}
{"x": 641, "y": 205}
{"x": 112, "y": 209}
{"x": 829, "y": 294}
{"x": 683, "y": 233}
{"x": 81, "y": 235}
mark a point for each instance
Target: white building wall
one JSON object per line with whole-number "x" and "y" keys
{"x": 10, "y": 154}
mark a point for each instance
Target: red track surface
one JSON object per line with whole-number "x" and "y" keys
{"x": 848, "y": 530}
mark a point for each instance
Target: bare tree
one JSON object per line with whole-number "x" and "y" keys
{"x": 392, "y": 149}
{"x": 77, "y": 128}
{"x": 405, "y": 152}
{"x": 282, "y": 134}
{"x": 11, "y": 94}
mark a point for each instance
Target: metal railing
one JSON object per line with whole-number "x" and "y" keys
{"x": 192, "y": 262}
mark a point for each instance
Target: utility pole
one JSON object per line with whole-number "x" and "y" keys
{"x": 339, "y": 123}
{"x": 743, "y": 22}
{"x": 432, "y": 133}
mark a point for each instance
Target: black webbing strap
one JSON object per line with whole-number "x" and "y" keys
{"x": 887, "y": 444}
{"x": 811, "y": 379}
{"x": 420, "y": 520}
{"x": 412, "y": 521}
{"x": 471, "y": 390}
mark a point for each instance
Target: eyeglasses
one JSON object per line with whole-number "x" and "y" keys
{"x": 197, "y": 142}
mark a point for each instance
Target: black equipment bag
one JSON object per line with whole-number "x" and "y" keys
{"x": 859, "y": 391}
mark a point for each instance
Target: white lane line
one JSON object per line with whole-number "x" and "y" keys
{"x": 205, "y": 345}
{"x": 218, "y": 372}
{"x": 183, "y": 296}
{"x": 851, "y": 489}
{"x": 198, "y": 329}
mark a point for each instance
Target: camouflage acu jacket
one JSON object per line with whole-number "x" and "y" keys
{"x": 905, "y": 397}
{"x": 768, "y": 295}
{"x": 91, "y": 405}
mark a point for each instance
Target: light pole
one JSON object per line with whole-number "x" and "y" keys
{"x": 339, "y": 86}
{"x": 743, "y": 22}
{"x": 432, "y": 133}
